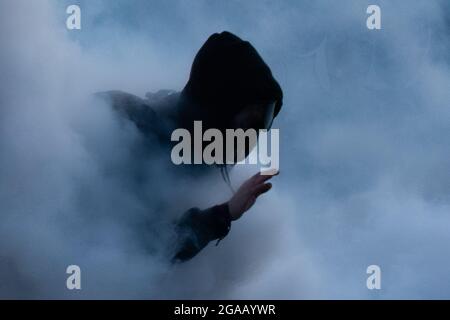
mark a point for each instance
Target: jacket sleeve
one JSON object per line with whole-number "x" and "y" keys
{"x": 133, "y": 108}
{"x": 197, "y": 228}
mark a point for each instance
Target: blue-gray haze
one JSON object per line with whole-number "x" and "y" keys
{"x": 365, "y": 150}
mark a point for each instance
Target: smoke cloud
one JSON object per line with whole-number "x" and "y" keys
{"x": 364, "y": 157}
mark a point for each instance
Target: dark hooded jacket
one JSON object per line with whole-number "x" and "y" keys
{"x": 227, "y": 74}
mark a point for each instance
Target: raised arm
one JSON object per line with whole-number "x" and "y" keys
{"x": 197, "y": 228}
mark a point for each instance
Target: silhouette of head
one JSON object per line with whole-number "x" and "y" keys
{"x": 230, "y": 87}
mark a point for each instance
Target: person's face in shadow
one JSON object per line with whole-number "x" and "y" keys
{"x": 253, "y": 116}
{"x": 257, "y": 116}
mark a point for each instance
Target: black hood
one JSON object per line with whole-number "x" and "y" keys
{"x": 227, "y": 74}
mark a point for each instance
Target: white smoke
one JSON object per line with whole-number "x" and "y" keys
{"x": 364, "y": 152}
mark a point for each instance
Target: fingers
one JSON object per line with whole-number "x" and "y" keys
{"x": 270, "y": 172}
{"x": 256, "y": 185}
{"x": 262, "y": 188}
{"x": 260, "y": 178}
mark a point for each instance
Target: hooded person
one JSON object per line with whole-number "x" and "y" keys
{"x": 230, "y": 87}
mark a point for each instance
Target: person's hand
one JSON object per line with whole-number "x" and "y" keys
{"x": 247, "y": 194}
